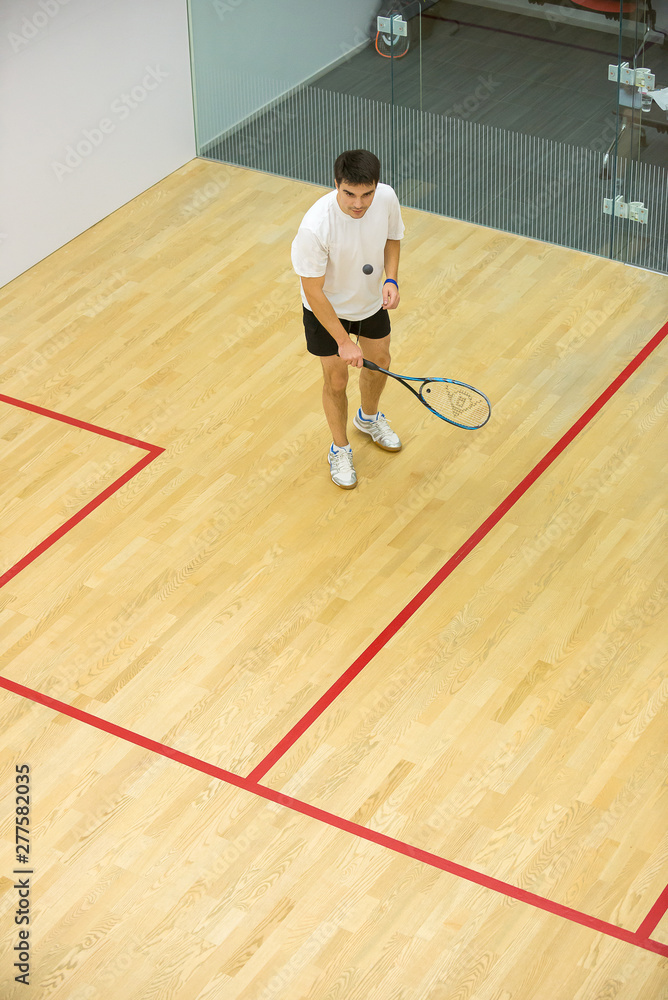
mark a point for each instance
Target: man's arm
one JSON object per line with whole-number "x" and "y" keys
{"x": 391, "y": 292}
{"x": 323, "y": 311}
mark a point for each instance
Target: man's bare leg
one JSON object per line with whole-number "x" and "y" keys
{"x": 371, "y": 386}
{"x": 335, "y": 399}
{"x": 373, "y": 383}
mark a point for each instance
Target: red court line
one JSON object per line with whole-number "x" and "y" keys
{"x": 152, "y": 452}
{"x": 444, "y": 572}
{"x": 74, "y": 422}
{"x": 337, "y": 822}
{"x": 657, "y": 912}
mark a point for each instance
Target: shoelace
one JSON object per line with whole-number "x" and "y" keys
{"x": 383, "y": 425}
{"x": 341, "y": 459}
{"x": 379, "y": 419}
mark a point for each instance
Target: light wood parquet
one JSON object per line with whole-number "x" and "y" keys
{"x": 516, "y": 724}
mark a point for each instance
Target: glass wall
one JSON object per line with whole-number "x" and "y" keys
{"x": 636, "y": 165}
{"x": 512, "y": 114}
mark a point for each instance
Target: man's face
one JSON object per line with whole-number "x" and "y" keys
{"x": 354, "y": 199}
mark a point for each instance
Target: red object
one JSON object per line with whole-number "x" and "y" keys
{"x": 251, "y": 784}
{"x": 384, "y": 54}
{"x": 639, "y": 938}
{"x": 152, "y": 452}
{"x": 607, "y": 6}
{"x": 418, "y": 600}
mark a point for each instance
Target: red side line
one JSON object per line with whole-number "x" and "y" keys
{"x": 337, "y": 822}
{"x": 75, "y": 519}
{"x": 654, "y": 916}
{"x": 152, "y": 452}
{"x": 74, "y": 422}
{"x": 444, "y": 572}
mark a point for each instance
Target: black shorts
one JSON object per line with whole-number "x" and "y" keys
{"x": 322, "y": 344}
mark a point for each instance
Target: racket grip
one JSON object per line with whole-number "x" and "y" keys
{"x": 371, "y": 365}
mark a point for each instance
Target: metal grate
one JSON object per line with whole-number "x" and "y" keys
{"x": 518, "y": 183}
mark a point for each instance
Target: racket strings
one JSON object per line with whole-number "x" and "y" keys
{"x": 461, "y": 403}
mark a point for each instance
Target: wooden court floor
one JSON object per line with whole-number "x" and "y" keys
{"x": 287, "y": 742}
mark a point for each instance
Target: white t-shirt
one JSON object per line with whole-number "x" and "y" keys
{"x": 333, "y": 244}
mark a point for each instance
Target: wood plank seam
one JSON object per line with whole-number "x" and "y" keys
{"x": 655, "y": 915}
{"x": 152, "y": 452}
{"x": 638, "y": 938}
{"x": 381, "y": 640}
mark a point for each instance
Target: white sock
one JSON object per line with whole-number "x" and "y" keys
{"x": 365, "y": 416}
{"x": 335, "y": 448}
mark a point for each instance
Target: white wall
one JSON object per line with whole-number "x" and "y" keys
{"x": 95, "y": 107}
{"x": 249, "y": 52}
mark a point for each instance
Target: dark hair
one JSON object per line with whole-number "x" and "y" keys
{"x": 357, "y": 166}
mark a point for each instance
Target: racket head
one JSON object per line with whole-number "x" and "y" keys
{"x": 456, "y": 402}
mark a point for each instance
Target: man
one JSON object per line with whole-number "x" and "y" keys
{"x": 345, "y": 242}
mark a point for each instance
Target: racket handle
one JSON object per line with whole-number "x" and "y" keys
{"x": 371, "y": 365}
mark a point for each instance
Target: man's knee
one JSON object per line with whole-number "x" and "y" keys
{"x": 336, "y": 377}
{"x": 382, "y": 357}
{"x": 378, "y": 351}
{"x": 336, "y": 385}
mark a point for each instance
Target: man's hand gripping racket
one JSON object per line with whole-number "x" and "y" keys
{"x": 458, "y": 403}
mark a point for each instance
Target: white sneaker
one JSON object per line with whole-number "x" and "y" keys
{"x": 342, "y": 469}
{"x": 379, "y": 430}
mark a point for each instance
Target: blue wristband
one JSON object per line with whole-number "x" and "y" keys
{"x": 392, "y": 281}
